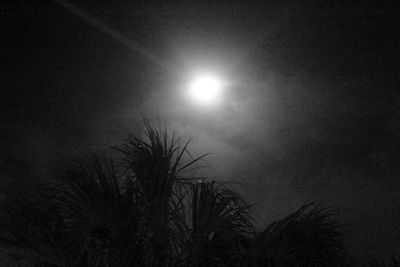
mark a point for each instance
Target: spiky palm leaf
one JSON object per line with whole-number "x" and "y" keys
{"x": 155, "y": 163}
{"x": 311, "y": 236}
{"x": 218, "y": 225}
{"x": 101, "y": 215}
{"x": 33, "y": 225}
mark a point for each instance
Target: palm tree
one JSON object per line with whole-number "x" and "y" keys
{"x": 108, "y": 216}
{"x": 31, "y": 225}
{"x": 142, "y": 211}
{"x": 153, "y": 164}
{"x": 219, "y": 226}
{"x": 311, "y": 236}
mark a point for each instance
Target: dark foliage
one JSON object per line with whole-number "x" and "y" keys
{"x": 311, "y": 236}
{"x": 143, "y": 212}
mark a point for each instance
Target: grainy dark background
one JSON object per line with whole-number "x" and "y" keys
{"x": 312, "y": 114}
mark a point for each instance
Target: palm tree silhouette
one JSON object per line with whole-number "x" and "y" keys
{"x": 141, "y": 210}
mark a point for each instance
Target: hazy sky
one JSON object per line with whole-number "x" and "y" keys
{"x": 311, "y": 111}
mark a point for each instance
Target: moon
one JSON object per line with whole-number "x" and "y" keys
{"x": 205, "y": 89}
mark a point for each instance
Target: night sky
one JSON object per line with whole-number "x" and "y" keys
{"x": 311, "y": 112}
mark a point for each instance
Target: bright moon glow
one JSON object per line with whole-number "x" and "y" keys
{"x": 205, "y": 89}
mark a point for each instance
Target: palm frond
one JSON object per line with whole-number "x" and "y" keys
{"x": 100, "y": 213}
{"x": 311, "y": 236}
{"x": 219, "y": 225}
{"x": 33, "y": 225}
{"x": 155, "y": 162}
